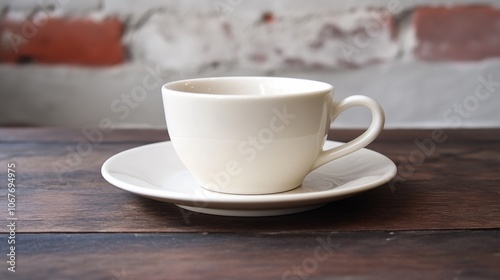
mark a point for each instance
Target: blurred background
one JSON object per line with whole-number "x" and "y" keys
{"x": 430, "y": 63}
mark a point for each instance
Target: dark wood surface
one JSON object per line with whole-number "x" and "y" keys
{"x": 439, "y": 220}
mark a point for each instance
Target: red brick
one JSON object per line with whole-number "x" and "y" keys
{"x": 457, "y": 33}
{"x": 59, "y": 40}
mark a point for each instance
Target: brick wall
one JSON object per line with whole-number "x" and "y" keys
{"x": 55, "y": 51}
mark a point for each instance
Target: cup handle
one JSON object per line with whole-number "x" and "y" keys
{"x": 378, "y": 119}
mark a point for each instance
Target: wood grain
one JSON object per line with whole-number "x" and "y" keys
{"x": 338, "y": 255}
{"x": 457, "y": 186}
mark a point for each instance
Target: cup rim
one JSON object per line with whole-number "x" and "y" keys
{"x": 321, "y": 88}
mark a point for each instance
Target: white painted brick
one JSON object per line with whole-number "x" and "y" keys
{"x": 320, "y": 41}
{"x": 182, "y": 44}
{"x": 304, "y": 6}
{"x": 134, "y": 9}
{"x": 58, "y": 7}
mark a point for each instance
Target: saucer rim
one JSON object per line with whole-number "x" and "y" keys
{"x": 232, "y": 201}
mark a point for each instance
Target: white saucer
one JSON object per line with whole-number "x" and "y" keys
{"x": 155, "y": 171}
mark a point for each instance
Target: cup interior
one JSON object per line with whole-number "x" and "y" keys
{"x": 248, "y": 86}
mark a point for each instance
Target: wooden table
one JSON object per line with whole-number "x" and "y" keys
{"x": 439, "y": 220}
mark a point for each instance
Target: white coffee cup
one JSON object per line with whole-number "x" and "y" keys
{"x": 257, "y": 135}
